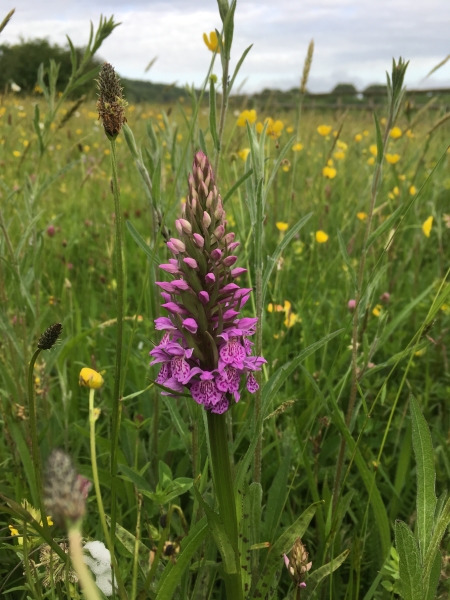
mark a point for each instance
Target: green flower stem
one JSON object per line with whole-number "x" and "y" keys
{"x": 116, "y": 409}
{"x": 101, "y": 510}
{"x": 34, "y": 440}
{"x": 224, "y": 490}
{"x": 90, "y": 589}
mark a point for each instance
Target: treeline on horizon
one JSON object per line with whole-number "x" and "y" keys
{"x": 19, "y": 64}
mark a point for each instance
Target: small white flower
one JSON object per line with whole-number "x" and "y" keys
{"x": 15, "y": 87}
{"x": 100, "y": 564}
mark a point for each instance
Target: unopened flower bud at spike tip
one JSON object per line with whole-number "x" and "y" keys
{"x": 110, "y": 103}
{"x": 50, "y": 336}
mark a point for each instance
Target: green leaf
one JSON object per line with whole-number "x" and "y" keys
{"x": 228, "y": 31}
{"x": 277, "y": 164}
{"x": 367, "y": 476}
{"x": 37, "y": 129}
{"x": 279, "y": 377}
{"x": 385, "y": 226}
{"x": 237, "y": 185}
{"x": 279, "y": 249}
{"x": 171, "y": 576}
{"x": 411, "y": 574}
{"x": 212, "y": 114}
{"x": 274, "y": 558}
{"x": 223, "y": 9}
{"x": 141, "y": 242}
{"x": 426, "y": 476}
{"x": 438, "y": 533}
{"x": 324, "y": 571}
{"x": 178, "y": 421}
{"x": 201, "y": 141}
{"x": 346, "y": 257}
{"x": 219, "y": 534}
{"x": 25, "y": 458}
{"x": 276, "y": 499}
{"x": 238, "y": 66}
{"x": 435, "y": 574}
{"x": 128, "y": 540}
{"x": 380, "y": 147}
{"x": 86, "y": 77}
{"x": 131, "y": 475}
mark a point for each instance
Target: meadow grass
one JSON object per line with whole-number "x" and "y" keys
{"x": 57, "y": 247}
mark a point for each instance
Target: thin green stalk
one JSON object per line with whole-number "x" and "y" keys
{"x": 101, "y": 510}
{"x": 223, "y": 111}
{"x": 224, "y": 491}
{"x": 90, "y": 589}
{"x": 136, "y": 550}
{"x": 117, "y": 407}
{"x": 34, "y": 440}
{"x": 359, "y": 289}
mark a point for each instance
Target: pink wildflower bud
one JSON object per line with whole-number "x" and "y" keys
{"x": 180, "y": 284}
{"x": 233, "y": 246}
{"x": 230, "y": 314}
{"x": 209, "y": 200}
{"x": 176, "y": 245}
{"x": 166, "y": 286}
{"x": 174, "y": 308}
{"x": 199, "y": 240}
{"x": 191, "y": 325}
{"x": 237, "y": 272}
{"x": 219, "y": 212}
{"x": 216, "y": 254}
{"x": 206, "y": 219}
{"x": 204, "y": 298}
{"x": 230, "y": 287}
{"x": 351, "y": 305}
{"x": 172, "y": 269}
{"x": 230, "y": 260}
{"x": 210, "y": 278}
{"x": 191, "y": 262}
{"x": 219, "y": 232}
{"x": 183, "y": 226}
{"x": 385, "y": 297}
{"x": 228, "y": 238}
{"x": 51, "y": 230}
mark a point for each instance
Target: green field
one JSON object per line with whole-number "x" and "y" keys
{"x": 341, "y": 424}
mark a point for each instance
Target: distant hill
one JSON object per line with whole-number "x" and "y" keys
{"x": 136, "y": 90}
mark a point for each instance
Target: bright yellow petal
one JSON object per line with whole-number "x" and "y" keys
{"x": 427, "y": 225}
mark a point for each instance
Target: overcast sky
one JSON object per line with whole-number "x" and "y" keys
{"x": 355, "y": 40}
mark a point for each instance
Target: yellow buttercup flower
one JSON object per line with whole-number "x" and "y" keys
{"x": 342, "y": 145}
{"x": 275, "y": 308}
{"x": 212, "y": 42}
{"x": 321, "y": 237}
{"x": 393, "y": 158}
{"x": 281, "y": 226}
{"x": 13, "y": 530}
{"x": 329, "y": 172}
{"x": 244, "y": 153}
{"x": 371, "y": 160}
{"x": 427, "y": 225}
{"x": 16, "y": 153}
{"x": 291, "y": 319}
{"x": 290, "y": 129}
{"x": 339, "y": 155}
{"x": 377, "y": 310}
{"x": 395, "y": 133}
{"x": 413, "y": 190}
{"x": 297, "y": 147}
{"x": 90, "y": 378}
{"x": 362, "y": 216}
{"x": 324, "y": 130}
{"x": 246, "y": 115}
{"x": 358, "y": 137}
{"x": 373, "y": 149}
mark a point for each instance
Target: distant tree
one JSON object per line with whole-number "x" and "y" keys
{"x": 377, "y": 89}
{"x": 19, "y": 63}
{"x": 344, "y": 89}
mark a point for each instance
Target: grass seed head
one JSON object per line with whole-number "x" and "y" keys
{"x": 50, "y": 336}
{"x": 110, "y": 103}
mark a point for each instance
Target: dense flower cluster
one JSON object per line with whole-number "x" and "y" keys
{"x": 206, "y": 346}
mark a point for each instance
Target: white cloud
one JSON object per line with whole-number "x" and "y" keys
{"x": 355, "y": 40}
